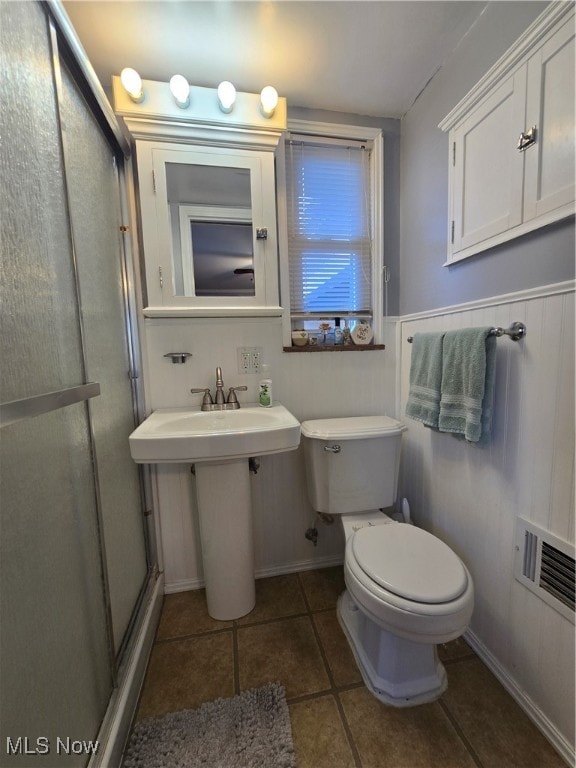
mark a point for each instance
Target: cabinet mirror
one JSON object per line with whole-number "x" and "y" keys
{"x": 211, "y": 230}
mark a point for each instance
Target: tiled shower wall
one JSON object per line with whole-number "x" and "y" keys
{"x": 470, "y": 497}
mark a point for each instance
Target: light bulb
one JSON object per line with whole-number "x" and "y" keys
{"x": 226, "y": 96}
{"x": 268, "y": 100}
{"x": 132, "y": 83}
{"x": 180, "y": 90}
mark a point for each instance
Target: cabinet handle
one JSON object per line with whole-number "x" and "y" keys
{"x": 527, "y": 138}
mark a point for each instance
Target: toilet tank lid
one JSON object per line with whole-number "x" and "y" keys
{"x": 352, "y": 428}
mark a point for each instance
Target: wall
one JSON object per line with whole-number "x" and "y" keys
{"x": 310, "y": 385}
{"x": 318, "y": 385}
{"x": 424, "y": 282}
{"x": 471, "y": 497}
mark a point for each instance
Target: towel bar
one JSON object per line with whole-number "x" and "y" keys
{"x": 516, "y": 332}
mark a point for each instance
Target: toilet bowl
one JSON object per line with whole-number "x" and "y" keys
{"x": 406, "y": 590}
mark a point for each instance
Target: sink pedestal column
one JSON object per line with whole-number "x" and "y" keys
{"x": 225, "y": 515}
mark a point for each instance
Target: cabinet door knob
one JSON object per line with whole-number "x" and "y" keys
{"x": 527, "y": 138}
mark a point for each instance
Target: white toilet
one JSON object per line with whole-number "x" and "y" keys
{"x": 406, "y": 590}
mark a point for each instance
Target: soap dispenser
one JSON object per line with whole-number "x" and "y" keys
{"x": 265, "y": 387}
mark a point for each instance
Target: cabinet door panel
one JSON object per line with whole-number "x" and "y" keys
{"x": 184, "y": 188}
{"x": 550, "y": 107}
{"x": 488, "y": 173}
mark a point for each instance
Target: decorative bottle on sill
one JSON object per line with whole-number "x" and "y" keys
{"x": 265, "y": 387}
{"x": 347, "y": 339}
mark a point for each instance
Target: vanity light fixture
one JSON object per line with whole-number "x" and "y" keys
{"x": 268, "y": 100}
{"x": 132, "y": 83}
{"x": 226, "y": 96}
{"x": 176, "y": 99}
{"x": 180, "y": 90}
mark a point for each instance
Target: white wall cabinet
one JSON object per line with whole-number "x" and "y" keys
{"x": 498, "y": 191}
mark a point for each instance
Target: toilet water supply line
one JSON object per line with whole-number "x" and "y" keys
{"x": 312, "y": 533}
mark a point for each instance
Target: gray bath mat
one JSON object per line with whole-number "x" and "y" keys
{"x": 251, "y": 730}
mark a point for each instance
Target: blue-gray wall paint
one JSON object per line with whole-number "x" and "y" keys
{"x": 540, "y": 258}
{"x": 390, "y": 128}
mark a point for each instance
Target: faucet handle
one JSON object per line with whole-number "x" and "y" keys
{"x": 207, "y": 399}
{"x": 232, "y": 393}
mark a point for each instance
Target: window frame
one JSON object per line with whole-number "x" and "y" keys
{"x": 373, "y": 137}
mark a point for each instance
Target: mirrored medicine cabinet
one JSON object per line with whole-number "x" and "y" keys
{"x": 207, "y": 197}
{"x": 209, "y": 229}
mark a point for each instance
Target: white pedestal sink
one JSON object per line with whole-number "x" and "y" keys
{"x": 219, "y": 444}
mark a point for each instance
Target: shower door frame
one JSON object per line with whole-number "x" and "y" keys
{"x": 67, "y": 49}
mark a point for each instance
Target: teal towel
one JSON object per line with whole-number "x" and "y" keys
{"x": 468, "y": 369}
{"x": 425, "y": 379}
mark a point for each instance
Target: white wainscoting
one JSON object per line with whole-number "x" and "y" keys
{"x": 470, "y": 497}
{"x": 310, "y": 385}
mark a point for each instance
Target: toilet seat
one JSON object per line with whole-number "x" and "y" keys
{"x": 409, "y": 562}
{"x": 425, "y": 622}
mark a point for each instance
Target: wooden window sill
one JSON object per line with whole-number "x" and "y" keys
{"x": 334, "y": 348}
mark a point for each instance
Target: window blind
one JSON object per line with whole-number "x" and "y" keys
{"x": 329, "y": 242}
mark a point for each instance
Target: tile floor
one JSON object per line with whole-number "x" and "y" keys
{"x": 293, "y": 636}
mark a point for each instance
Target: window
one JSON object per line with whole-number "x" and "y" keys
{"x": 333, "y": 245}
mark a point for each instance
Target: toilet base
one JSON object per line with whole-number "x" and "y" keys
{"x": 396, "y": 671}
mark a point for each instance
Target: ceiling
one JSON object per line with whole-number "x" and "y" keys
{"x": 367, "y": 57}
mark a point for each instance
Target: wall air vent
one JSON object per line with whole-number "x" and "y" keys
{"x": 545, "y": 564}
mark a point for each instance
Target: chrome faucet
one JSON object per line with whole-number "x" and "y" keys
{"x": 219, "y": 387}
{"x": 220, "y": 403}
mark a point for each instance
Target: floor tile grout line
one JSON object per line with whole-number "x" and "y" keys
{"x": 322, "y": 653}
{"x": 239, "y": 625}
{"x": 348, "y": 732}
{"x": 458, "y": 659}
{"x": 304, "y": 595}
{"x": 260, "y": 622}
{"x": 193, "y": 635}
{"x": 460, "y": 733}
{"x": 322, "y": 693}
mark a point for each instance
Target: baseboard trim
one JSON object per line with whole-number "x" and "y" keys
{"x": 544, "y": 725}
{"x": 115, "y": 727}
{"x": 185, "y": 585}
{"x": 300, "y": 565}
{"x": 263, "y": 573}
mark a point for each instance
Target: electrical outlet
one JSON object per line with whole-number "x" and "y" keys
{"x": 249, "y": 359}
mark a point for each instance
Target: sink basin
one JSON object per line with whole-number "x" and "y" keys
{"x": 186, "y": 435}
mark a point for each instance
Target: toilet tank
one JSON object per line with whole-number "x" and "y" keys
{"x": 352, "y": 463}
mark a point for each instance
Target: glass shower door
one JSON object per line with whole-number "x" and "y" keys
{"x": 55, "y": 638}
{"x": 73, "y": 557}
{"x": 95, "y": 216}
